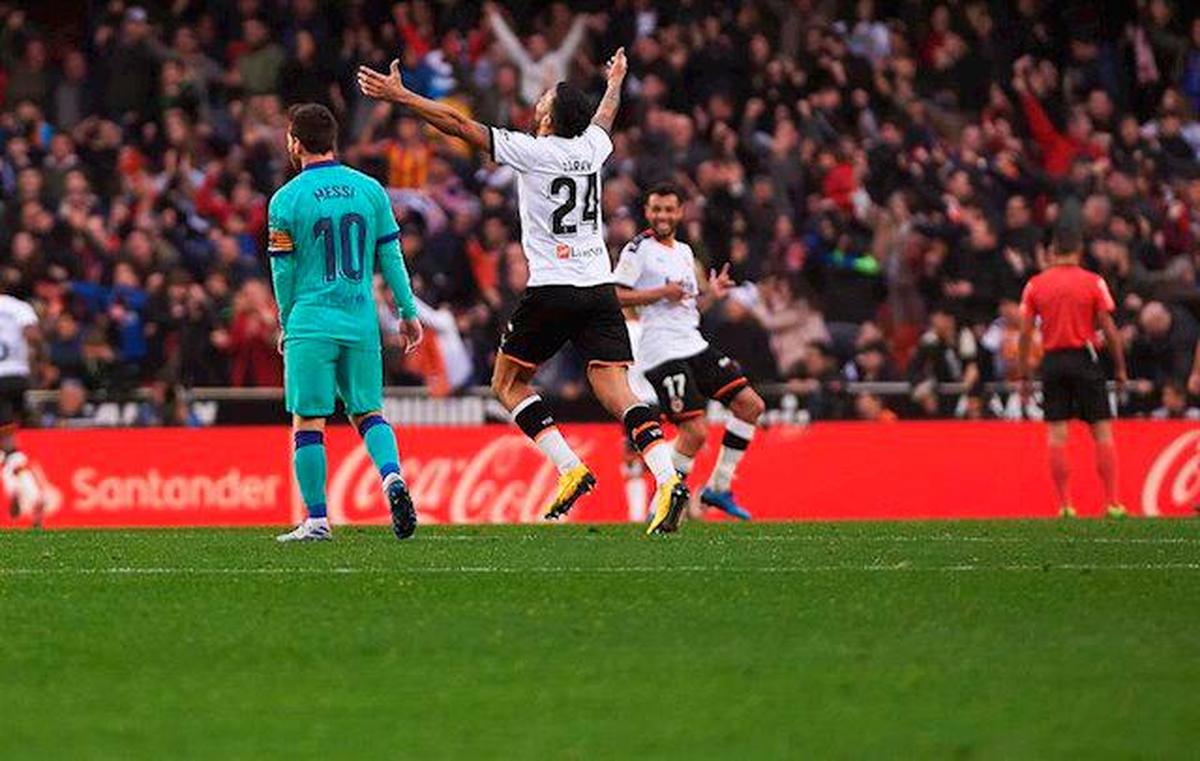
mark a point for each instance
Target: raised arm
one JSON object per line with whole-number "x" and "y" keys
{"x": 606, "y": 112}
{"x": 571, "y": 42}
{"x": 444, "y": 118}
{"x": 507, "y": 39}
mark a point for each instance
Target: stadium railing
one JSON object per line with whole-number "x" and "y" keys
{"x": 413, "y": 405}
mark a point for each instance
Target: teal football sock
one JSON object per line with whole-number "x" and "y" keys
{"x": 308, "y": 459}
{"x": 380, "y": 441}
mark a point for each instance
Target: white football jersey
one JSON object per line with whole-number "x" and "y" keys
{"x": 558, "y": 191}
{"x": 670, "y": 330}
{"x": 15, "y": 317}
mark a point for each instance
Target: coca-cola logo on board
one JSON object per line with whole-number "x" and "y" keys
{"x": 1173, "y": 483}
{"x": 508, "y": 480}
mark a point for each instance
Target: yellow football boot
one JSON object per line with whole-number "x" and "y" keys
{"x": 571, "y": 486}
{"x": 670, "y": 501}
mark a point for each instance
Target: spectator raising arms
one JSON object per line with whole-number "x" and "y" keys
{"x": 872, "y": 173}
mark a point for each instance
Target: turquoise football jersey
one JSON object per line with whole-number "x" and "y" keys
{"x": 327, "y": 226}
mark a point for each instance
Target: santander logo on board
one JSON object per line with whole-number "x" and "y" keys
{"x": 1172, "y": 485}
{"x": 508, "y": 480}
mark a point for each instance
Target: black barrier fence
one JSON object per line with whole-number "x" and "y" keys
{"x": 786, "y": 404}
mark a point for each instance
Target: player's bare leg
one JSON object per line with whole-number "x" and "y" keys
{"x": 1060, "y": 469}
{"x": 308, "y": 460}
{"x": 1106, "y": 467}
{"x": 380, "y": 441}
{"x": 511, "y": 382}
{"x": 746, "y": 407}
{"x": 610, "y": 383}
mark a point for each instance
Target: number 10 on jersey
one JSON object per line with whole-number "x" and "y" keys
{"x": 352, "y": 235}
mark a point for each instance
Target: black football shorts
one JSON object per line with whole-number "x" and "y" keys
{"x": 1074, "y": 387}
{"x": 684, "y": 386}
{"x": 548, "y": 316}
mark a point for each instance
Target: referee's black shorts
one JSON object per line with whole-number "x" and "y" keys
{"x": 1074, "y": 386}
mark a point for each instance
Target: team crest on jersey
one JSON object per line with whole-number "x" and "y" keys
{"x": 562, "y": 251}
{"x": 676, "y": 405}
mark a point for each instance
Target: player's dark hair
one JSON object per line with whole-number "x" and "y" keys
{"x": 314, "y": 126}
{"x": 665, "y": 189}
{"x": 1068, "y": 240}
{"x": 1068, "y": 230}
{"x": 572, "y": 110}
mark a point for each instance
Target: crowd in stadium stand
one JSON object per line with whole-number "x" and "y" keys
{"x": 881, "y": 177}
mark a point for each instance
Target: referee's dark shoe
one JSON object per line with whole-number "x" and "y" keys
{"x": 400, "y": 504}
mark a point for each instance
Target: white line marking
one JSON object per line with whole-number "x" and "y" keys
{"x": 898, "y": 538}
{"x": 900, "y": 567}
{"x": 951, "y": 538}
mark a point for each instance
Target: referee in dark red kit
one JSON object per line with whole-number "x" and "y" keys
{"x": 1071, "y": 303}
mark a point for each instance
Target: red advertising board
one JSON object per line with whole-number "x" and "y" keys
{"x": 492, "y": 474}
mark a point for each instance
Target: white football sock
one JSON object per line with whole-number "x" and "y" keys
{"x": 683, "y": 463}
{"x": 552, "y": 443}
{"x": 729, "y": 457}
{"x": 658, "y": 460}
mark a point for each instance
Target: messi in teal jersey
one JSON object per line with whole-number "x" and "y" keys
{"x": 328, "y": 227}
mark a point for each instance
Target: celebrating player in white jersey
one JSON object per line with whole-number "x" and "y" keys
{"x": 570, "y": 295}
{"x": 657, "y": 274}
{"x": 18, "y": 332}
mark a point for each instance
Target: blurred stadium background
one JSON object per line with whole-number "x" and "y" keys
{"x": 881, "y": 178}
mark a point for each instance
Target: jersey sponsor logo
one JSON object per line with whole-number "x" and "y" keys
{"x": 562, "y": 251}
{"x": 1172, "y": 484}
{"x": 330, "y": 192}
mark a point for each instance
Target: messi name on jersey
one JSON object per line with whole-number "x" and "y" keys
{"x": 333, "y": 191}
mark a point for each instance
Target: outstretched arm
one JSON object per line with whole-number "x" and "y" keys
{"x": 606, "y": 112}
{"x": 444, "y": 118}
{"x": 637, "y": 297}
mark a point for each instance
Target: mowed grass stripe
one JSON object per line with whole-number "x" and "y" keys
{"x": 833, "y": 568}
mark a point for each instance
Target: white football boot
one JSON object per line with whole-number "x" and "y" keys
{"x": 311, "y": 530}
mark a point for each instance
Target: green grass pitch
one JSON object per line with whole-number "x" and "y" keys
{"x": 903, "y": 640}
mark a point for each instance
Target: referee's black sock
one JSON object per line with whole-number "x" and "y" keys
{"x": 643, "y": 430}
{"x": 533, "y": 417}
